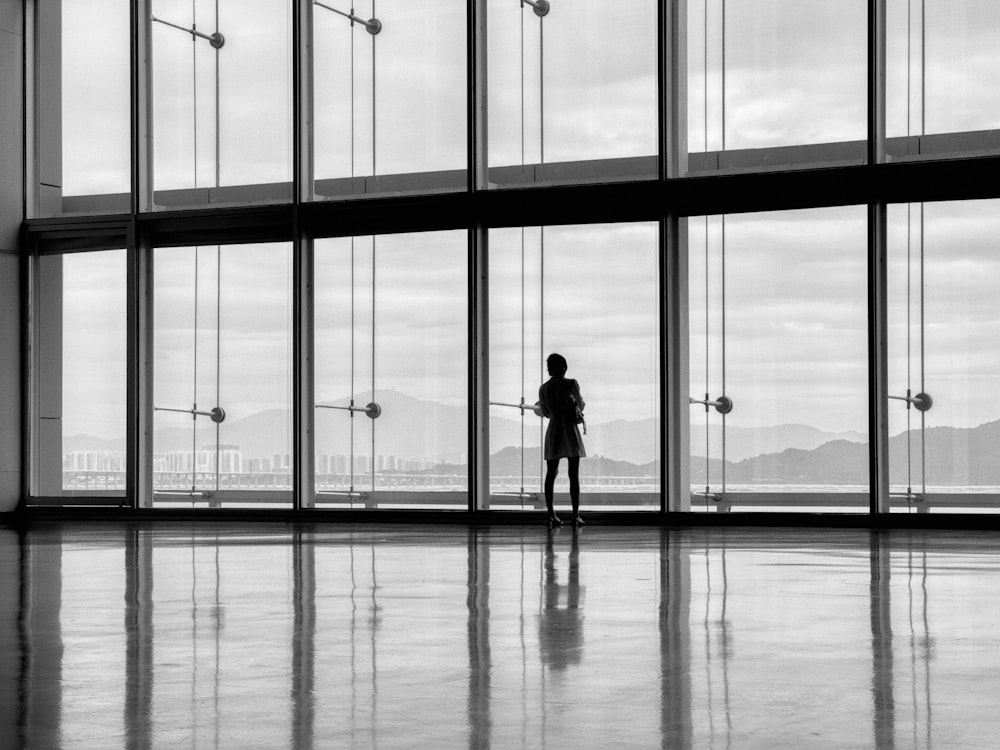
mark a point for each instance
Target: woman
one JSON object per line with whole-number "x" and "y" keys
{"x": 559, "y": 400}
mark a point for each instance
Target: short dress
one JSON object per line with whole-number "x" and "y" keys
{"x": 558, "y": 399}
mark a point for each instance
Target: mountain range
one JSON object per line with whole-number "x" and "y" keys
{"x": 782, "y": 454}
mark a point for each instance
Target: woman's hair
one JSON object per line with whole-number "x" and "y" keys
{"x": 557, "y": 362}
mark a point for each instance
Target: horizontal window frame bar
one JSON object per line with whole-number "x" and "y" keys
{"x": 750, "y": 500}
{"x": 970, "y": 178}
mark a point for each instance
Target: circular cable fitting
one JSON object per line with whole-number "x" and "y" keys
{"x": 217, "y": 41}
{"x": 218, "y": 415}
{"x": 373, "y": 26}
{"x": 541, "y": 8}
{"x": 373, "y": 410}
{"x": 723, "y": 404}
{"x": 922, "y": 402}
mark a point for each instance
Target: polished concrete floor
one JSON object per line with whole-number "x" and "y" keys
{"x": 338, "y": 636}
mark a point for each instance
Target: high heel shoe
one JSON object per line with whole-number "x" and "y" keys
{"x": 554, "y": 520}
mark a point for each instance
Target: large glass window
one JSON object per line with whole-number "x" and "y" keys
{"x": 81, "y": 374}
{"x": 589, "y": 293}
{"x": 942, "y": 97}
{"x": 221, "y": 102}
{"x": 778, "y": 332}
{"x": 944, "y": 359}
{"x": 572, "y": 92}
{"x": 389, "y": 96}
{"x": 84, "y": 152}
{"x": 391, "y": 373}
{"x": 766, "y": 75}
{"x": 222, "y": 432}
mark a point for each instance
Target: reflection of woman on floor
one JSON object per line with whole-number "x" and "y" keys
{"x": 560, "y": 624}
{"x": 559, "y": 399}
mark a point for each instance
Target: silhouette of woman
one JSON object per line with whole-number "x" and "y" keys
{"x": 559, "y": 400}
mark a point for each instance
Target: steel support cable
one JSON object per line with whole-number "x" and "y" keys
{"x": 218, "y": 110}
{"x": 921, "y": 400}
{"x": 217, "y": 414}
{"x": 374, "y": 162}
{"x": 194, "y": 381}
{"x": 521, "y": 493}
{"x": 707, "y": 348}
{"x": 708, "y": 361}
{"x": 353, "y": 330}
{"x": 541, "y": 335}
{"x": 541, "y": 229}
{"x": 923, "y": 385}
{"x": 722, "y": 250}
{"x": 218, "y": 351}
{"x": 374, "y": 268}
{"x": 909, "y": 272}
{"x": 523, "y": 372}
{"x": 353, "y": 281}
{"x": 909, "y": 343}
{"x": 194, "y": 155}
{"x": 921, "y": 277}
{"x": 722, "y": 270}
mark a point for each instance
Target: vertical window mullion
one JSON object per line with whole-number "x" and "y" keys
{"x": 478, "y": 305}
{"x": 675, "y": 473}
{"x": 878, "y": 437}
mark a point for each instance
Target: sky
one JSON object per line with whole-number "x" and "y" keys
{"x": 580, "y": 85}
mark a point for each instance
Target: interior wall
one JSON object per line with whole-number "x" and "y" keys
{"x": 11, "y": 216}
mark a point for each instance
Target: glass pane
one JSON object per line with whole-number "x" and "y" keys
{"x": 81, "y": 377}
{"x": 572, "y": 94}
{"x": 941, "y": 59}
{"x": 389, "y": 108}
{"x": 778, "y": 325}
{"x": 589, "y": 293}
{"x": 221, "y": 104}
{"x": 944, "y": 320}
{"x": 222, "y": 340}
{"x": 766, "y": 75}
{"x": 93, "y": 93}
{"x": 391, "y": 332}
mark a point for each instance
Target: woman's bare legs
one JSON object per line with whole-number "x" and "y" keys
{"x": 551, "y": 470}
{"x": 574, "y": 487}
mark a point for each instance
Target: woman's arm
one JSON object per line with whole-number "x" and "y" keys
{"x": 540, "y": 408}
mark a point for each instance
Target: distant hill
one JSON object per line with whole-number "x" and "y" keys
{"x": 636, "y": 440}
{"x": 784, "y": 454}
{"x": 507, "y": 462}
{"x": 955, "y": 456}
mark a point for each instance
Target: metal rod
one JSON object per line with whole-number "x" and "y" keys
{"x": 217, "y": 414}
{"x": 373, "y": 25}
{"x": 723, "y": 404}
{"x": 372, "y": 409}
{"x": 522, "y": 406}
{"x": 216, "y": 39}
{"x": 540, "y": 7}
{"x": 921, "y": 402}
